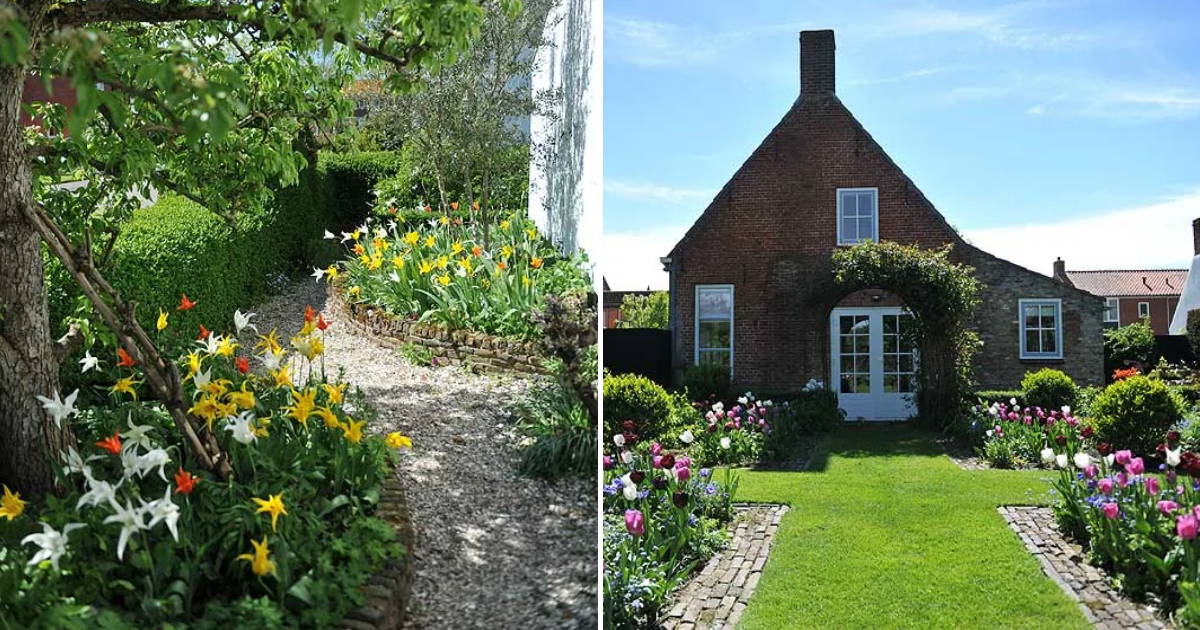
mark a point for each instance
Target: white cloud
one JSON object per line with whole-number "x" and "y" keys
{"x": 654, "y": 44}
{"x": 631, "y": 258}
{"x": 1148, "y": 237}
{"x": 686, "y": 197}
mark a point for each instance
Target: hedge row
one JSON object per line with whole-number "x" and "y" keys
{"x": 176, "y": 246}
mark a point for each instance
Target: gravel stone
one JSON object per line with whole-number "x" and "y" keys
{"x": 493, "y": 549}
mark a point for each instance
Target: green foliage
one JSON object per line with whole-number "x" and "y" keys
{"x": 1084, "y": 397}
{"x": 1134, "y": 413}
{"x": 417, "y": 354}
{"x": 630, "y": 397}
{"x": 941, "y": 295}
{"x": 1129, "y": 343}
{"x": 645, "y": 311}
{"x": 1049, "y": 389}
{"x": 560, "y": 438}
{"x": 990, "y": 396}
{"x": 352, "y": 181}
{"x": 413, "y": 190}
{"x": 708, "y": 381}
{"x": 1193, "y": 331}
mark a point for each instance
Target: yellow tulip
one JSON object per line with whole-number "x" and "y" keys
{"x": 395, "y": 440}
{"x": 11, "y": 505}
{"x": 259, "y": 562}
{"x": 273, "y": 505}
{"x": 162, "y": 320}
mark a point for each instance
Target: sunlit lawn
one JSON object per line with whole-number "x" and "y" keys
{"x": 886, "y": 532}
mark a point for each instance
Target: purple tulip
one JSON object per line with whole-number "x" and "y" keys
{"x": 1111, "y": 510}
{"x": 657, "y": 459}
{"x": 1136, "y": 466}
{"x": 1090, "y": 471}
{"x": 683, "y": 462}
{"x": 683, "y": 473}
{"x": 1166, "y": 507}
{"x": 1123, "y": 457}
{"x": 608, "y": 462}
{"x": 1186, "y": 526}
{"x": 635, "y": 523}
{"x": 1152, "y": 485}
{"x": 1122, "y": 479}
{"x": 656, "y": 449}
{"x": 1106, "y": 485}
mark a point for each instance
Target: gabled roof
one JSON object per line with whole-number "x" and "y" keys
{"x": 1130, "y": 282}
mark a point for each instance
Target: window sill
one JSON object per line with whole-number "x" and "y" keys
{"x": 1042, "y": 360}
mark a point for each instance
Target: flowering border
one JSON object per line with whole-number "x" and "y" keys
{"x": 472, "y": 350}
{"x": 388, "y": 591}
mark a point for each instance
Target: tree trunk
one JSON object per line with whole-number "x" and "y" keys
{"x": 27, "y": 364}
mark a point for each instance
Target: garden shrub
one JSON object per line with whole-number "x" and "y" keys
{"x": 352, "y": 178}
{"x": 561, "y": 437}
{"x": 1084, "y": 397}
{"x": 1193, "y": 331}
{"x": 1131, "y": 343}
{"x": 706, "y": 381}
{"x": 989, "y": 397}
{"x": 811, "y": 412}
{"x": 631, "y": 397}
{"x": 1135, "y": 413}
{"x": 1048, "y": 388}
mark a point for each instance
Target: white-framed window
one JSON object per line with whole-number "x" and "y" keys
{"x": 1143, "y": 309}
{"x": 1112, "y": 310}
{"x": 1041, "y": 328}
{"x": 714, "y": 324}
{"x": 858, "y": 215}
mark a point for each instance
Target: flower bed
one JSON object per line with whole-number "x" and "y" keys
{"x": 286, "y": 541}
{"x": 1015, "y": 437}
{"x": 484, "y": 278}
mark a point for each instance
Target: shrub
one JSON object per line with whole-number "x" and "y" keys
{"x": 1048, "y": 389}
{"x": 1189, "y": 393}
{"x": 1084, "y": 397}
{"x": 1129, "y": 343}
{"x": 1135, "y": 413}
{"x": 811, "y": 412}
{"x": 352, "y": 178}
{"x": 706, "y": 381}
{"x": 637, "y": 399}
{"x": 561, "y": 439}
{"x": 992, "y": 396}
{"x": 1193, "y": 331}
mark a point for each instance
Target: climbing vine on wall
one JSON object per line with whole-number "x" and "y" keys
{"x": 941, "y": 295}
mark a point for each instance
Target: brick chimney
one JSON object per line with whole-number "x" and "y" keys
{"x": 1196, "y": 237}
{"x": 816, "y": 62}
{"x": 1060, "y": 271}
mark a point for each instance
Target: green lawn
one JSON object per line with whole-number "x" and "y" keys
{"x": 886, "y": 532}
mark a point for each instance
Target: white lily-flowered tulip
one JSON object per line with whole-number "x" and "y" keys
{"x": 1082, "y": 460}
{"x": 60, "y": 409}
{"x": 1109, "y": 459}
{"x": 164, "y": 510}
{"x": 329, "y": 235}
{"x": 137, "y": 435}
{"x": 241, "y": 321}
{"x": 131, "y": 520}
{"x": 686, "y": 437}
{"x": 626, "y": 457}
{"x": 240, "y": 427}
{"x": 52, "y": 543}
{"x": 1066, "y": 409}
{"x": 271, "y": 361}
{"x": 202, "y": 379}
{"x": 99, "y": 491}
{"x": 1047, "y": 455}
{"x": 211, "y": 344}
{"x": 318, "y": 274}
{"x": 619, "y": 440}
{"x": 89, "y": 362}
{"x": 156, "y": 458}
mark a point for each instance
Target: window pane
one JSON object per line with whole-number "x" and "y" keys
{"x": 849, "y": 205}
{"x": 847, "y": 344}
{"x": 906, "y": 383}
{"x": 891, "y": 383}
{"x": 1031, "y": 317}
{"x": 906, "y": 363}
{"x": 847, "y": 366}
{"x": 846, "y": 323}
{"x": 714, "y": 357}
{"x": 866, "y": 230}
{"x": 890, "y": 343}
{"x": 847, "y": 384}
{"x": 1049, "y": 341}
{"x": 715, "y": 303}
{"x": 891, "y": 324}
{"x": 862, "y": 344}
{"x": 1031, "y": 342}
{"x": 849, "y": 233}
{"x": 714, "y": 335}
{"x": 1048, "y": 316}
{"x": 862, "y": 385}
{"x": 862, "y": 324}
{"x": 891, "y": 363}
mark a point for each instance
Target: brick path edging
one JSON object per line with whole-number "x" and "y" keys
{"x": 1063, "y": 561}
{"x": 387, "y": 592}
{"x": 475, "y": 351}
{"x": 716, "y": 596}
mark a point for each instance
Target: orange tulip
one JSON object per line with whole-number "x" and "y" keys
{"x": 203, "y": 333}
{"x": 185, "y": 303}
{"x": 536, "y": 262}
{"x": 124, "y": 360}
{"x": 185, "y": 482}
{"x": 111, "y": 444}
{"x": 454, "y": 205}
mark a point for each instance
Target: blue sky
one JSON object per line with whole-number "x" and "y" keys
{"x": 1040, "y": 129}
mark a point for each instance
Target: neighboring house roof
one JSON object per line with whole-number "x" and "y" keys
{"x": 1130, "y": 282}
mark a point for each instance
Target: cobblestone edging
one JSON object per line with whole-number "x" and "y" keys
{"x": 1063, "y": 562}
{"x": 388, "y": 591}
{"x": 716, "y": 597}
{"x": 476, "y": 351}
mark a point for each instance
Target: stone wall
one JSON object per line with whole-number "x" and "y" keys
{"x": 472, "y": 350}
{"x": 387, "y": 592}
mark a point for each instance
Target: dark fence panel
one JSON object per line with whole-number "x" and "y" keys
{"x": 1173, "y": 348}
{"x": 645, "y": 351}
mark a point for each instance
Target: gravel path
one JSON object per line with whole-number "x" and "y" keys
{"x": 493, "y": 550}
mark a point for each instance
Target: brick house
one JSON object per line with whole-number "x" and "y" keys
{"x": 35, "y": 92}
{"x": 1130, "y": 295}
{"x": 741, "y": 278}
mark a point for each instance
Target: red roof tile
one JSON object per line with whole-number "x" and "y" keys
{"x": 1130, "y": 283}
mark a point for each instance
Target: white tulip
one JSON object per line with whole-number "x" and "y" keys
{"x": 1012, "y": 402}
{"x": 725, "y": 443}
{"x": 1082, "y": 460}
{"x": 1108, "y": 460}
{"x": 1061, "y": 460}
{"x": 626, "y": 457}
{"x": 60, "y": 409}
{"x": 89, "y": 362}
{"x": 240, "y": 427}
{"x": 243, "y": 321}
{"x": 686, "y": 437}
{"x": 131, "y": 520}
{"x": 1066, "y": 409}
{"x": 619, "y": 440}
{"x": 1047, "y": 455}
{"x": 1173, "y": 456}
{"x": 164, "y": 510}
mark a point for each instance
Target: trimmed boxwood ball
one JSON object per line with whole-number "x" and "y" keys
{"x": 1048, "y": 388}
{"x": 636, "y": 398}
{"x": 1135, "y": 413}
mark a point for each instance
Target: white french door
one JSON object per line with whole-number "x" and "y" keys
{"x": 874, "y": 364}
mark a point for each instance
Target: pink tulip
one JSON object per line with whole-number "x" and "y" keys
{"x": 1123, "y": 457}
{"x": 1090, "y": 471}
{"x": 1152, "y": 485}
{"x": 1136, "y": 466}
{"x": 657, "y": 461}
{"x": 683, "y": 462}
{"x": 635, "y": 523}
{"x": 683, "y": 473}
{"x": 1111, "y": 510}
{"x": 1186, "y": 526}
{"x": 1196, "y": 510}
{"x": 1106, "y": 485}
{"x": 1166, "y": 507}
{"x": 656, "y": 449}
{"x": 608, "y": 462}
{"x": 1122, "y": 479}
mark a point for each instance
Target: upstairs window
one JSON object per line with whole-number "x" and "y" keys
{"x": 714, "y": 325}
{"x": 1112, "y": 310}
{"x": 858, "y": 215}
{"x": 1041, "y": 329}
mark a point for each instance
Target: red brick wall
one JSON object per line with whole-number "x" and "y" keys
{"x": 770, "y": 233}
{"x": 35, "y": 92}
{"x": 1162, "y": 309}
{"x": 611, "y": 315}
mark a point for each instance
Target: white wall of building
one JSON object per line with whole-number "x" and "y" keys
{"x": 565, "y": 194}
